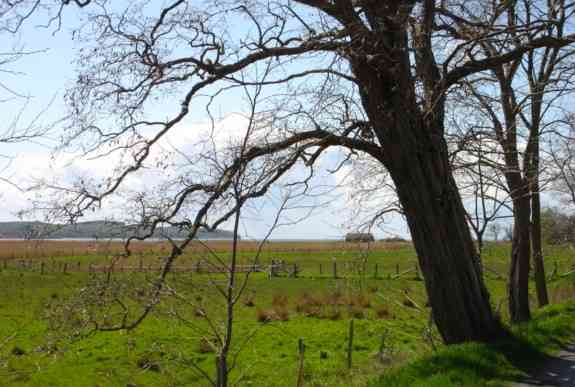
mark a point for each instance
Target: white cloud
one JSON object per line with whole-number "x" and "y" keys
{"x": 327, "y": 221}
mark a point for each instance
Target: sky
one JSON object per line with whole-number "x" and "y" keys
{"x": 41, "y": 80}
{"x": 32, "y": 91}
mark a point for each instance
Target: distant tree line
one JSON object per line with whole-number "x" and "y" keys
{"x": 557, "y": 227}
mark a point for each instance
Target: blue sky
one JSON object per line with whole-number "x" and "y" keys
{"x": 45, "y": 76}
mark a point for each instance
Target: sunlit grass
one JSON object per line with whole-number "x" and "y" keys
{"x": 277, "y": 312}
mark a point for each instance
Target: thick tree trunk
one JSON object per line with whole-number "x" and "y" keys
{"x": 415, "y": 153}
{"x": 538, "y": 265}
{"x": 445, "y": 248}
{"x": 518, "y": 287}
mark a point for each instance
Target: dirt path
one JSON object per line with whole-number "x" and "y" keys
{"x": 559, "y": 370}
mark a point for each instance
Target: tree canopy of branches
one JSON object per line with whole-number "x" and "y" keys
{"x": 557, "y": 227}
{"x": 520, "y": 101}
{"x": 365, "y": 76}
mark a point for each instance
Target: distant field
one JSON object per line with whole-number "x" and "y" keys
{"x": 307, "y": 255}
{"x": 47, "y": 248}
{"x": 38, "y": 310}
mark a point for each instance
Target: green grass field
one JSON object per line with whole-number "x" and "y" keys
{"x": 43, "y": 341}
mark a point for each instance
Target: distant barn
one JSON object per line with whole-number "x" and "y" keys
{"x": 359, "y": 237}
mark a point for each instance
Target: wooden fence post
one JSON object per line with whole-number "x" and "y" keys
{"x": 42, "y": 268}
{"x": 65, "y": 267}
{"x": 301, "y": 353}
{"x": 350, "y": 344}
{"x": 334, "y": 269}
{"x": 375, "y": 271}
{"x": 320, "y": 269}
{"x": 397, "y": 268}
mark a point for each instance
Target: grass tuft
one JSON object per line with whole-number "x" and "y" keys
{"x": 478, "y": 364}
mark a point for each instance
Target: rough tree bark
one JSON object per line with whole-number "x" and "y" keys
{"x": 518, "y": 287}
{"x": 416, "y": 156}
{"x": 518, "y": 183}
{"x": 537, "y": 94}
{"x": 537, "y": 253}
{"x": 444, "y": 246}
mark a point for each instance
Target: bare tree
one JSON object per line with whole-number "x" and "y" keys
{"x": 19, "y": 125}
{"x": 396, "y": 59}
{"x": 237, "y": 181}
{"x": 370, "y": 197}
{"x": 484, "y": 193}
{"x": 14, "y": 130}
{"x": 563, "y": 156}
{"x": 15, "y": 13}
{"x": 528, "y": 89}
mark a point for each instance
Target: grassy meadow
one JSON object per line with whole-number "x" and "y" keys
{"x": 48, "y": 313}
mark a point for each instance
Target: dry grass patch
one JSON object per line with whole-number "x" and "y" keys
{"x": 280, "y": 301}
{"x": 359, "y": 300}
{"x": 329, "y": 306}
{"x": 332, "y": 313}
{"x": 356, "y": 312}
{"x": 563, "y": 292}
{"x": 272, "y": 314}
{"x": 249, "y": 300}
{"x": 382, "y": 312}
